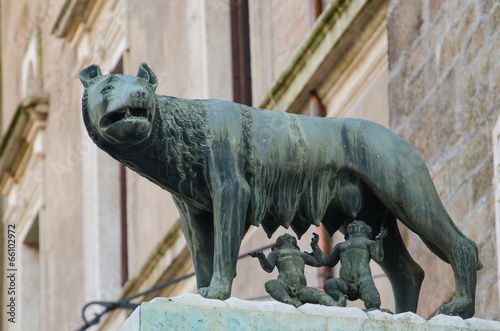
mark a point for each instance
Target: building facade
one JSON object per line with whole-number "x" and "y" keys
{"x": 88, "y": 229}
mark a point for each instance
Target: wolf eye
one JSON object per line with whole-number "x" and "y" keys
{"x": 107, "y": 88}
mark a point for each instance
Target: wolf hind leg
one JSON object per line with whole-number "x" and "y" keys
{"x": 405, "y": 275}
{"x": 441, "y": 235}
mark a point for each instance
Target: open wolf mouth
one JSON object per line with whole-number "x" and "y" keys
{"x": 129, "y": 114}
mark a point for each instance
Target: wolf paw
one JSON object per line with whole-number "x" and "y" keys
{"x": 219, "y": 292}
{"x": 459, "y": 307}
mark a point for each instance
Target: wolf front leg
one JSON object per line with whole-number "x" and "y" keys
{"x": 198, "y": 229}
{"x": 230, "y": 208}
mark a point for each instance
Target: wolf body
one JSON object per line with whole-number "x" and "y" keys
{"x": 230, "y": 166}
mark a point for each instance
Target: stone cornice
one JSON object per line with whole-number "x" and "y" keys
{"x": 95, "y": 29}
{"x": 72, "y": 13}
{"x": 17, "y": 143}
{"x": 169, "y": 252}
{"x": 169, "y": 245}
{"x": 319, "y": 51}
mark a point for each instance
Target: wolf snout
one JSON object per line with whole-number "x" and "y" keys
{"x": 139, "y": 97}
{"x": 139, "y": 93}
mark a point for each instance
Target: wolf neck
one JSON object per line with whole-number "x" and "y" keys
{"x": 173, "y": 156}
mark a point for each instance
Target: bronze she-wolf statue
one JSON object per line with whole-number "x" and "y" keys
{"x": 229, "y": 166}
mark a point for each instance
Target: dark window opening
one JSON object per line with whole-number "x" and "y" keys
{"x": 240, "y": 49}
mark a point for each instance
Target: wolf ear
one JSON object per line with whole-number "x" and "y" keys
{"x": 148, "y": 74}
{"x": 88, "y": 74}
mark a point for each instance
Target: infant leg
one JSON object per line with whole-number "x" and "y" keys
{"x": 312, "y": 295}
{"x": 368, "y": 293}
{"x": 278, "y": 290}
{"x": 336, "y": 288}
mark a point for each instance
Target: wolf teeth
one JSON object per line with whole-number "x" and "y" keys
{"x": 124, "y": 114}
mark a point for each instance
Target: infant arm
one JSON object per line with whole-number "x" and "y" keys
{"x": 268, "y": 263}
{"x": 334, "y": 257}
{"x": 377, "y": 248}
{"x": 310, "y": 260}
{"x": 318, "y": 254}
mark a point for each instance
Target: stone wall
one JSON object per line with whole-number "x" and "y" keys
{"x": 444, "y": 62}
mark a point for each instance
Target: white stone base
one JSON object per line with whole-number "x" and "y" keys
{"x": 193, "y": 312}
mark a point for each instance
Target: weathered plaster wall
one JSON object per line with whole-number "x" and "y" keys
{"x": 61, "y": 249}
{"x": 276, "y": 27}
{"x": 444, "y": 99}
{"x": 16, "y": 34}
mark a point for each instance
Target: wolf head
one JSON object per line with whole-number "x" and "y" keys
{"x": 119, "y": 109}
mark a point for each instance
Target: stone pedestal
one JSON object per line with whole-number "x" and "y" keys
{"x": 192, "y": 312}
